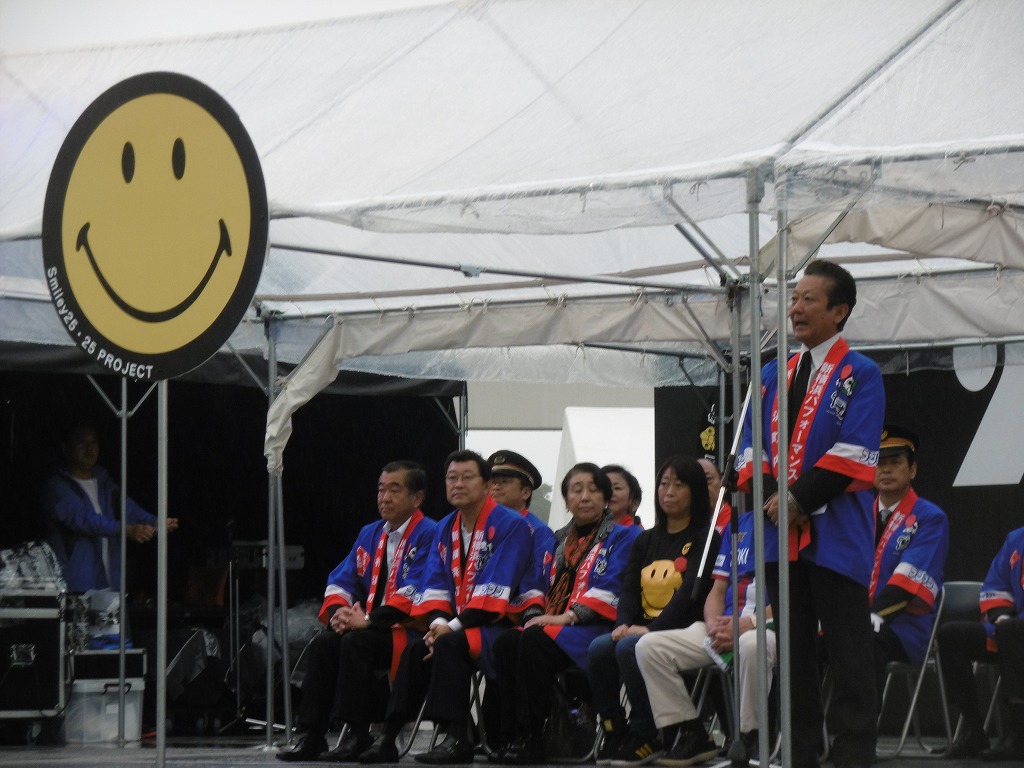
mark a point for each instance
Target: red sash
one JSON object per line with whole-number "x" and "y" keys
{"x": 580, "y": 588}
{"x": 583, "y": 572}
{"x": 378, "y": 558}
{"x": 465, "y": 579}
{"x": 893, "y": 524}
{"x": 800, "y": 533}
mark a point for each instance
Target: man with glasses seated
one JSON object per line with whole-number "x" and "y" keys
{"x": 481, "y": 572}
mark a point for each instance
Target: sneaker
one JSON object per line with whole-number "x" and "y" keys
{"x": 639, "y": 750}
{"x": 693, "y": 747}
{"x": 615, "y": 734}
{"x": 752, "y": 744}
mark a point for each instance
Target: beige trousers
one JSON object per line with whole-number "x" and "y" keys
{"x": 664, "y": 656}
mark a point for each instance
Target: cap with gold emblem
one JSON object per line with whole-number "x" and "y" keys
{"x": 516, "y": 465}
{"x": 897, "y": 438}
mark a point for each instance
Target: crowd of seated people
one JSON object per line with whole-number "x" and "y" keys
{"x": 418, "y": 607}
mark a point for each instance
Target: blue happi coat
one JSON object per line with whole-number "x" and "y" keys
{"x": 597, "y": 585}
{"x": 842, "y": 436}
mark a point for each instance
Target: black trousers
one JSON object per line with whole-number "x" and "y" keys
{"x": 841, "y": 605}
{"x": 964, "y": 642}
{"x": 887, "y": 647}
{"x": 527, "y": 662}
{"x": 443, "y": 681}
{"x": 343, "y": 679}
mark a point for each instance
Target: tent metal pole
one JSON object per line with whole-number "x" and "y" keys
{"x": 783, "y": 620}
{"x": 757, "y": 483}
{"x": 464, "y": 416}
{"x": 161, "y": 584}
{"x": 755, "y": 192}
{"x": 453, "y": 421}
{"x": 247, "y": 368}
{"x": 271, "y": 561}
{"x": 475, "y": 270}
{"x": 721, "y": 419}
{"x": 278, "y": 515}
{"x": 737, "y": 427}
{"x": 653, "y": 352}
{"x": 123, "y": 414}
{"x": 282, "y": 578}
{"x": 122, "y": 580}
{"x": 352, "y": 213}
{"x": 873, "y": 73}
{"x": 404, "y": 310}
{"x": 910, "y": 346}
{"x": 721, "y": 264}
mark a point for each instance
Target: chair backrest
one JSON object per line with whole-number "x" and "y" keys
{"x": 961, "y": 603}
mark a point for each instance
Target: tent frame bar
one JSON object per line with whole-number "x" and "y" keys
{"x": 721, "y": 265}
{"x": 873, "y": 72}
{"x": 473, "y": 270}
{"x": 353, "y": 212}
{"x": 878, "y": 158}
{"x": 669, "y": 296}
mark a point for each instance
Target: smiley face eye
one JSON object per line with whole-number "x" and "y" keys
{"x": 178, "y": 158}
{"x": 128, "y": 162}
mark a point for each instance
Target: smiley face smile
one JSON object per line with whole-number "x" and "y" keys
{"x": 223, "y": 247}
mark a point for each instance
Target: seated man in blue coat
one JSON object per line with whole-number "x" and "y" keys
{"x": 366, "y": 610}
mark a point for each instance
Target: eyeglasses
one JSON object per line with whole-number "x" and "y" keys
{"x": 468, "y": 477}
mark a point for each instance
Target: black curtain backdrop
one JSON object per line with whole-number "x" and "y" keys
{"x": 217, "y": 478}
{"x": 934, "y": 404}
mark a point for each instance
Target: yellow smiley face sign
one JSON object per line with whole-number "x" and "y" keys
{"x": 154, "y": 226}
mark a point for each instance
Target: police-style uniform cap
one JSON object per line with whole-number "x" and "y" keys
{"x": 896, "y": 438}
{"x": 515, "y": 464}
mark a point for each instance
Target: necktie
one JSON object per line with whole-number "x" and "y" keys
{"x": 799, "y": 388}
{"x": 883, "y": 516}
{"x": 382, "y": 580}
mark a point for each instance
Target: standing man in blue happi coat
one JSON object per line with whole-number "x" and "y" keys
{"x": 836, "y": 404}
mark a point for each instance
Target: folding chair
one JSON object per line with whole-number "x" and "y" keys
{"x": 993, "y": 714}
{"x": 706, "y": 678}
{"x": 958, "y": 601}
{"x": 476, "y": 704}
{"x": 405, "y": 744}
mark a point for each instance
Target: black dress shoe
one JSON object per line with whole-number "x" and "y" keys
{"x": 451, "y": 750}
{"x": 1009, "y": 748}
{"x": 524, "y": 750}
{"x": 495, "y": 754}
{"x": 351, "y": 747}
{"x": 306, "y": 750}
{"x": 384, "y": 751}
{"x": 969, "y": 743}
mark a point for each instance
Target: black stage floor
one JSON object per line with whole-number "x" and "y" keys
{"x": 214, "y": 752}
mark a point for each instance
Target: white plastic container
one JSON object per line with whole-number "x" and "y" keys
{"x": 91, "y": 714}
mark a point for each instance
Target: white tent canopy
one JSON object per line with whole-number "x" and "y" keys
{"x": 463, "y": 185}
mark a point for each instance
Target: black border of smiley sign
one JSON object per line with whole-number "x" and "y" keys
{"x": 193, "y": 351}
